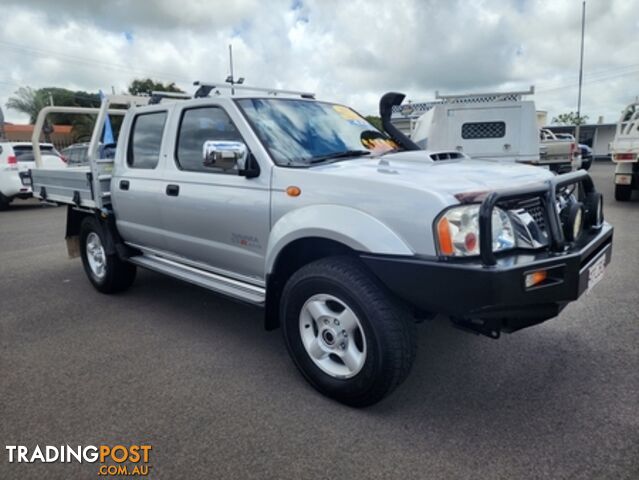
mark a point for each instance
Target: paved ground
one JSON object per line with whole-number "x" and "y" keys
{"x": 195, "y": 375}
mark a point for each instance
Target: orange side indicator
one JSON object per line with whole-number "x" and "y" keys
{"x": 535, "y": 278}
{"x": 445, "y": 239}
{"x": 293, "y": 191}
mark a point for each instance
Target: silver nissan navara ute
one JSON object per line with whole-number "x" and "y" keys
{"x": 345, "y": 234}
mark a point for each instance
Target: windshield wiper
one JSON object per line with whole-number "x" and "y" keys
{"x": 336, "y": 155}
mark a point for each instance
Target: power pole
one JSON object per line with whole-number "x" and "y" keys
{"x": 1, "y": 124}
{"x": 47, "y": 128}
{"x": 581, "y": 70}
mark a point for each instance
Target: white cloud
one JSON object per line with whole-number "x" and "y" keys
{"x": 346, "y": 51}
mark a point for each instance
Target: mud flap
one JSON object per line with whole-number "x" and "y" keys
{"x": 73, "y": 246}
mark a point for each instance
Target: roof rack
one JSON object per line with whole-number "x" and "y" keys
{"x": 485, "y": 97}
{"x": 205, "y": 89}
{"x": 156, "y": 97}
{"x": 417, "y": 109}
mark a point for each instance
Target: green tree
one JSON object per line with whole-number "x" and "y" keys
{"x": 570, "y": 118}
{"x": 28, "y": 101}
{"x": 146, "y": 86}
{"x": 375, "y": 121}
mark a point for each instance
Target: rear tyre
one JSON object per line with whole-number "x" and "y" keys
{"x": 106, "y": 271}
{"x": 345, "y": 333}
{"x": 586, "y": 164}
{"x": 4, "y": 202}
{"x": 623, "y": 193}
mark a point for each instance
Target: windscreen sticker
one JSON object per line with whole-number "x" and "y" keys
{"x": 377, "y": 142}
{"x": 346, "y": 113}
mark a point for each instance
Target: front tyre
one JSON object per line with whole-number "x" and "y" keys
{"x": 345, "y": 333}
{"x": 623, "y": 193}
{"x": 106, "y": 271}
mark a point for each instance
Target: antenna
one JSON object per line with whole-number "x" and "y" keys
{"x": 204, "y": 88}
{"x": 231, "y": 79}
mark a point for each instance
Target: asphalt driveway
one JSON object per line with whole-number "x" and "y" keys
{"x": 197, "y": 377}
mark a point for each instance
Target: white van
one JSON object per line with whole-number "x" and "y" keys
{"x": 16, "y": 158}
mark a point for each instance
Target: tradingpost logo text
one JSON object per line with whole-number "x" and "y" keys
{"x": 131, "y": 460}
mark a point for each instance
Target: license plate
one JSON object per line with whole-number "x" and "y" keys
{"x": 596, "y": 272}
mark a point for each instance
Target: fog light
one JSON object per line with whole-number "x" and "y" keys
{"x": 577, "y": 223}
{"x": 535, "y": 278}
{"x": 573, "y": 221}
{"x": 593, "y": 205}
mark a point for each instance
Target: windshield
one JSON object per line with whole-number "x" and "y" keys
{"x": 301, "y": 132}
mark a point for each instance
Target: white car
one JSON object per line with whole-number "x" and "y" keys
{"x": 16, "y": 158}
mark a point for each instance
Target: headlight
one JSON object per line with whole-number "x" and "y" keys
{"x": 458, "y": 231}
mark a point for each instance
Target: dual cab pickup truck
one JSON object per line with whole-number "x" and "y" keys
{"x": 345, "y": 234}
{"x": 563, "y": 154}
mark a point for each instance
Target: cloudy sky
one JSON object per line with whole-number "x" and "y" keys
{"x": 347, "y": 51}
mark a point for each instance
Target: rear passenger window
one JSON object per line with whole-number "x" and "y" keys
{"x": 146, "y": 140}
{"x": 197, "y": 126}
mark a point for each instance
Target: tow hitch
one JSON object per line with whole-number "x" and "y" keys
{"x": 488, "y": 327}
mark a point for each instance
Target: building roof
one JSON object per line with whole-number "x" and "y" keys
{"x": 22, "y": 128}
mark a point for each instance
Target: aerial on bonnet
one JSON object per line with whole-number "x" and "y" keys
{"x": 346, "y": 234}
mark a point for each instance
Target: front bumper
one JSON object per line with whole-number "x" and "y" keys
{"x": 488, "y": 294}
{"x": 495, "y": 295}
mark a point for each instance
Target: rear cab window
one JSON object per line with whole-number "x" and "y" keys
{"x": 145, "y": 142}
{"x": 24, "y": 153}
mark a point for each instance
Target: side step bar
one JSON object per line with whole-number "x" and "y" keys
{"x": 218, "y": 283}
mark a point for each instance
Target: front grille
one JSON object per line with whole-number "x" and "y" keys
{"x": 533, "y": 207}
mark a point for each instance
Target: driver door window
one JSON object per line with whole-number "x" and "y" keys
{"x": 199, "y": 125}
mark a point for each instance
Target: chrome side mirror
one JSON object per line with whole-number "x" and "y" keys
{"x": 224, "y": 155}
{"x": 230, "y": 157}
